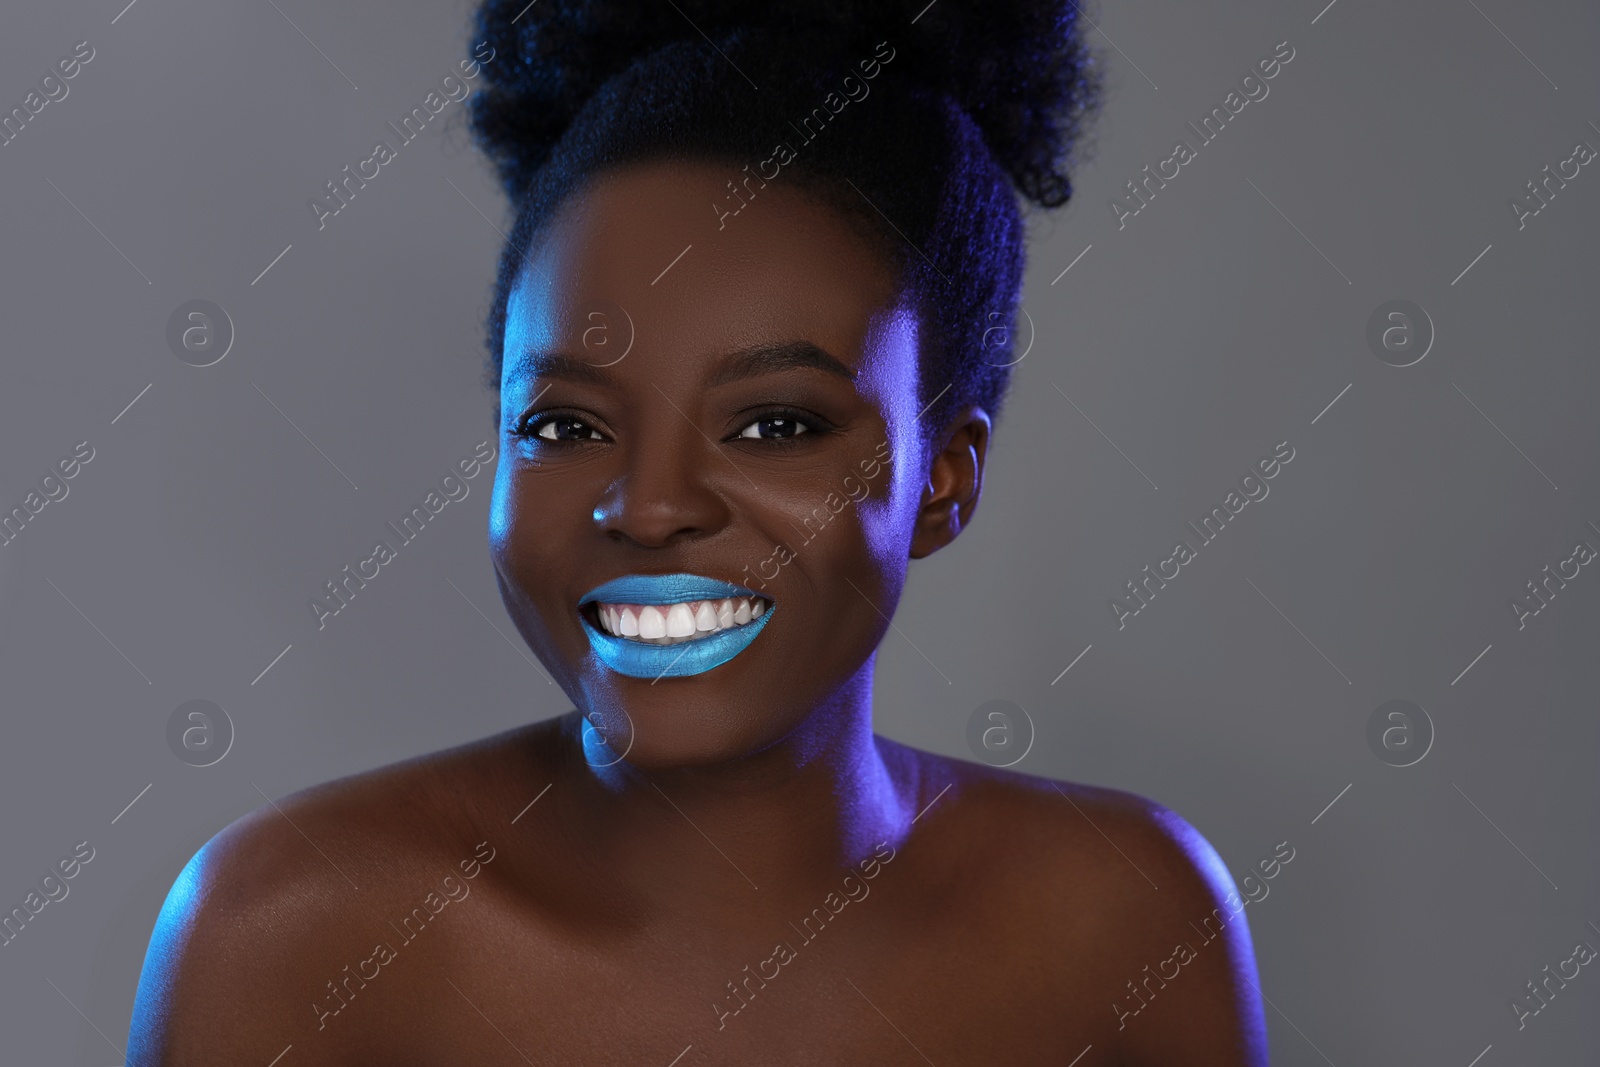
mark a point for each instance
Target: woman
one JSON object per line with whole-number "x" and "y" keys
{"x": 744, "y": 342}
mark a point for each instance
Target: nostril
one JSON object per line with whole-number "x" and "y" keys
{"x": 667, "y": 495}
{"x": 647, "y": 522}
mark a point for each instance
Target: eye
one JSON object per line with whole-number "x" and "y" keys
{"x": 560, "y": 428}
{"x": 778, "y": 426}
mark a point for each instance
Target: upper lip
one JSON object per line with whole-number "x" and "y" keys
{"x": 664, "y": 589}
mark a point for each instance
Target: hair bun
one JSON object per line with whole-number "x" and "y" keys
{"x": 1019, "y": 69}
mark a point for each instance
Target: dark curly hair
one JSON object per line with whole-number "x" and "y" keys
{"x": 976, "y": 101}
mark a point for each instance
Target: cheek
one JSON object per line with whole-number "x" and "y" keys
{"x": 504, "y": 519}
{"x": 859, "y": 556}
{"x": 835, "y": 536}
{"x": 886, "y": 526}
{"x": 890, "y": 382}
{"x": 501, "y": 504}
{"x": 528, "y": 541}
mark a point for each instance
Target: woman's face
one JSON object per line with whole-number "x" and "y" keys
{"x": 733, "y": 402}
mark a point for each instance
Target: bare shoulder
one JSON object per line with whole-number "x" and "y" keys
{"x": 1123, "y": 887}
{"x": 254, "y": 925}
{"x": 1105, "y": 839}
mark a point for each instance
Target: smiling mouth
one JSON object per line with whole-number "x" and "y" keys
{"x": 674, "y": 624}
{"x": 632, "y": 620}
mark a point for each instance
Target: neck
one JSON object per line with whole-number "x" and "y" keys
{"x": 779, "y": 822}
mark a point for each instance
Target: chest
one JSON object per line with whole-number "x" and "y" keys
{"x": 845, "y": 987}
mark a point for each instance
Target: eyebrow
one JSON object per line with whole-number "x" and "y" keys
{"x": 765, "y": 359}
{"x": 734, "y": 366}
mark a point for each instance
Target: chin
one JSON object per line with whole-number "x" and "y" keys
{"x": 674, "y": 727}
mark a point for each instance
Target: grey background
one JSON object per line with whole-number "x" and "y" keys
{"x": 1197, "y": 337}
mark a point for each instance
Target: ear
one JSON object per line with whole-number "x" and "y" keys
{"x": 955, "y": 478}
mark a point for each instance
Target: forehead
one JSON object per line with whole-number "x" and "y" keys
{"x": 654, "y": 252}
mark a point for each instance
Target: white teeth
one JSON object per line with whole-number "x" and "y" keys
{"x": 680, "y": 621}
{"x": 652, "y": 623}
{"x": 671, "y": 624}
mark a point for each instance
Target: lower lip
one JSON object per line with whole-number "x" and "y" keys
{"x": 636, "y": 659}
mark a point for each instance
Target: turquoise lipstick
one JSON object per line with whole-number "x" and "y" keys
{"x": 640, "y": 659}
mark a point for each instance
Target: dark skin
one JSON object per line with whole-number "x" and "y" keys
{"x": 601, "y": 909}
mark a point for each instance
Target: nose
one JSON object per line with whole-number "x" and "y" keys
{"x": 665, "y": 494}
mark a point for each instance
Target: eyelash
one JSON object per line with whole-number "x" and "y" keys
{"x": 815, "y": 426}
{"x": 528, "y": 428}
{"x": 530, "y": 425}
